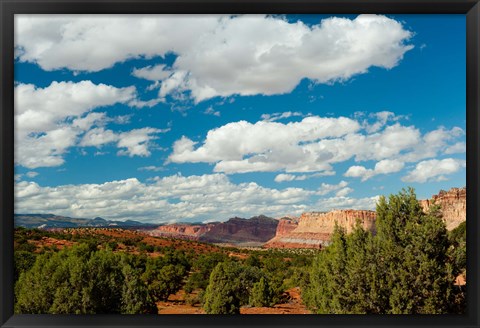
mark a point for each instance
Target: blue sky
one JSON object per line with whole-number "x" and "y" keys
{"x": 201, "y": 118}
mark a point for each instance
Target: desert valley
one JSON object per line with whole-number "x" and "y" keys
{"x": 271, "y": 245}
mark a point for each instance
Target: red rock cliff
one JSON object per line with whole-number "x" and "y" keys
{"x": 181, "y": 230}
{"x": 314, "y": 229}
{"x": 236, "y": 230}
{"x": 453, "y": 206}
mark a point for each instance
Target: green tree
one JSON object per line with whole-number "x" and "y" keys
{"x": 78, "y": 280}
{"x": 202, "y": 268}
{"x": 229, "y": 287}
{"x": 163, "y": 278}
{"x": 261, "y": 294}
{"x": 135, "y": 296}
{"x": 404, "y": 268}
{"x": 23, "y": 261}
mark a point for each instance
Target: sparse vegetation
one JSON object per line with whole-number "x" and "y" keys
{"x": 408, "y": 266}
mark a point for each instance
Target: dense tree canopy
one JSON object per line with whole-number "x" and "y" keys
{"x": 83, "y": 280}
{"x": 404, "y": 268}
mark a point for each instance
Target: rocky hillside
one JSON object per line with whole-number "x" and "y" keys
{"x": 254, "y": 231}
{"x": 310, "y": 230}
{"x": 314, "y": 229}
{"x": 453, "y": 206}
{"x": 182, "y": 230}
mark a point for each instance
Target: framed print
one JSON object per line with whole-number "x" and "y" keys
{"x": 239, "y": 163}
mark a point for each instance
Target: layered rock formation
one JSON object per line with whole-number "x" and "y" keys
{"x": 453, "y": 206}
{"x": 314, "y": 229}
{"x": 310, "y": 230}
{"x": 181, "y": 230}
{"x": 254, "y": 231}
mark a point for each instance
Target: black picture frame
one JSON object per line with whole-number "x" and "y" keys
{"x": 9, "y": 8}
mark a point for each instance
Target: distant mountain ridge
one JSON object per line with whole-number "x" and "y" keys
{"x": 46, "y": 221}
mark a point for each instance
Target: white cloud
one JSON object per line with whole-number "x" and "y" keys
{"x": 273, "y": 146}
{"x": 178, "y": 198}
{"x": 458, "y": 148}
{"x": 313, "y": 145}
{"x": 358, "y": 171}
{"x": 31, "y": 174}
{"x": 137, "y": 103}
{"x": 278, "y": 116}
{"x": 290, "y": 177}
{"x": 170, "y": 198}
{"x": 385, "y": 166}
{"x": 152, "y": 73}
{"x": 380, "y": 120}
{"x": 344, "y": 192}
{"x": 211, "y": 111}
{"x": 342, "y": 202}
{"x": 131, "y": 143}
{"x": 388, "y": 166}
{"x": 282, "y": 177}
{"x": 152, "y": 168}
{"x": 48, "y": 121}
{"x": 434, "y": 170}
{"x": 326, "y": 188}
{"x": 40, "y": 109}
{"x": 434, "y": 142}
{"x": 217, "y": 55}
{"x": 136, "y": 142}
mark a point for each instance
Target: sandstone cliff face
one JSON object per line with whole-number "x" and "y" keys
{"x": 255, "y": 231}
{"x": 310, "y": 230}
{"x": 180, "y": 230}
{"x": 236, "y": 230}
{"x": 286, "y": 226}
{"x": 314, "y": 229}
{"x": 453, "y": 206}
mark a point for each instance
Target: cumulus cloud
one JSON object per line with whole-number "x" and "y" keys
{"x": 173, "y": 198}
{"x": 282, "y": 177}
{"x": 326, "y": 188}
{"x": 49, "y": 120}
{"x": 31, "y": 174}
{"x": 313, "y": 145}
{"x": 343, "y": 202}
{"x": 152, "y": 73}
{"x": 385, "y": 166}
{"x": 434, "y": 170}
{"x": 275, "y": 146}
{"x": 458, "y": 148}
{"x": 216, "y": 55}
{"x": 131, "y": 143}
{"x": 433, "y": 142}
{"x": 374, "y": 122}
{"x": 177, "y": 198}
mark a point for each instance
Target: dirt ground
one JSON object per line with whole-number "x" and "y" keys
{"x": 176, "y": 305}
